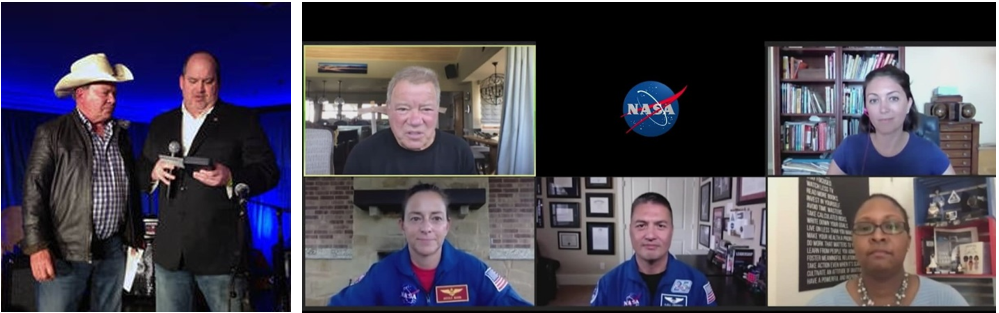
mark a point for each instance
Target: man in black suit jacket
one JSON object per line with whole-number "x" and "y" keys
{"x": 197, "y": 238}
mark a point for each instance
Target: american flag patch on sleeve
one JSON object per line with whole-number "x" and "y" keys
{"x": 497, "y": 280}
{"x": 709, "y": 294}
{"x": 356, "y": 280}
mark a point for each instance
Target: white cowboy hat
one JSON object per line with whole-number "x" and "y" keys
{"x": 89, "y": 69}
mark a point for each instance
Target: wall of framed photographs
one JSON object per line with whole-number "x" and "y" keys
{"x": 582, "y": 221}
{"x": 732, "y": 210}
{"x": 575, "y": 224}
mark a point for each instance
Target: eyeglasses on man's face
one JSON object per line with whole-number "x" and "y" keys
{"x": 889, "y": 228}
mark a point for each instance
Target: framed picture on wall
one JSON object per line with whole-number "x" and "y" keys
{"x": 599, "y": 182}
{"x": 564, "y": 214}
{"x": 704, "y": 236}
{"x": 751, "y": 190}
{"x": 705, "y": 208}
{"x": 763, "y": 229}
{"x": 718, "y": 223}
{"x": 600, "y": 238}
{"x": 563, "y": 187}
{"x": 599, "y": 205}
{"x": 568, "y": 240}
{"x": 721, "y": 188}
{"x": 539, "y": 213}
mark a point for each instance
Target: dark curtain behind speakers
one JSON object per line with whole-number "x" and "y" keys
{"x": 18, "y": 130}
{"x": 277, "y": 124}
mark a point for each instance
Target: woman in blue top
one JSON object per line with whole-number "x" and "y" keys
{"x": 881, "y": 238}
{"x": 885, "y": 146}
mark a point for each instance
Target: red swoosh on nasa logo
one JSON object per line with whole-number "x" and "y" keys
{"x": 667, "y": 102}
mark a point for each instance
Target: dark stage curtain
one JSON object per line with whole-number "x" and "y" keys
{"x": 18, "y": 130}
{"x": 263, "y": 208}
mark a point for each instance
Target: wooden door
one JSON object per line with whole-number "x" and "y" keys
{"x": 682, "y": 195}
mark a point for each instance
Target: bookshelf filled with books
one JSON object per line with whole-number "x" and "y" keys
{"x": 819, "y": 100}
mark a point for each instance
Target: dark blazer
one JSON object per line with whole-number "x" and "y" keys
{"x": 58, "y": 196}
{"x": 200, "y": 223}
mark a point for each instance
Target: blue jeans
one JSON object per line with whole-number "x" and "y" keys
{"x": 175, "y": 291}
{"x": 105, "y": 276}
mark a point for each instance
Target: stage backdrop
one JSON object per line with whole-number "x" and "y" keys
{"x": 18, "y": 130}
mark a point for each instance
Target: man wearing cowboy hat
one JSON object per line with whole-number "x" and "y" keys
{"x": 197, "y": 238}
{"x": 81, "y": 195}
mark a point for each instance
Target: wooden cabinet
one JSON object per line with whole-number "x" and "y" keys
{"x": 959, "y": 140}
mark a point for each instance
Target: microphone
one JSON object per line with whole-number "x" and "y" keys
{"x": 242, "y": 191}
{"x": 174, "y": 147}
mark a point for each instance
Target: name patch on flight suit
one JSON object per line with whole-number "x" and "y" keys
{"x": 452, "y": 293}
{"x": 672, "y": 300}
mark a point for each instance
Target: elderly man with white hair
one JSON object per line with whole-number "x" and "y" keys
{"x": 81, "y": 198}
{"x": 414, "y": 146}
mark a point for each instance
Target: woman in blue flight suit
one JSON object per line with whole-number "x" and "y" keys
{"x": 460, "y": 280}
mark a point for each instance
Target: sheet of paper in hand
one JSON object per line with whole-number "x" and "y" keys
{"x": 132, "y": 266}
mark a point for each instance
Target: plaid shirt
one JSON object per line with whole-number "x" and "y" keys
{"x": 110, "y": 183}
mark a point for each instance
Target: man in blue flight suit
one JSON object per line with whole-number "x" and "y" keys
{"x": 429, "y": 271}
{"x": 652, "y": 277}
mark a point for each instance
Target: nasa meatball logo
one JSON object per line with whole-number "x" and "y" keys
{"x": 651, "y": 108}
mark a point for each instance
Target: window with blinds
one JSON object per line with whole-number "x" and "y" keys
{"x": 492, "y": 114}
{"x": 350, "y": 111}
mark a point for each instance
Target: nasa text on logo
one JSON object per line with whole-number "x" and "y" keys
{"x": 651, "y": 108}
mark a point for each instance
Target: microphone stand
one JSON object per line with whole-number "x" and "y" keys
{"x": 277, "y": 257}
{"x": 239, "y": 267}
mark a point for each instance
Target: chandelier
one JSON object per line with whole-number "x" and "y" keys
{"x": 338, "y": 102}
{"x": 339, "y": 98}
{"x": 492, "y": 88}
{"x": 322, "y": 99}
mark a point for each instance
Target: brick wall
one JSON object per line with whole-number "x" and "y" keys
{"x": 329, "y": 212}
{"x": 511, "y": 213}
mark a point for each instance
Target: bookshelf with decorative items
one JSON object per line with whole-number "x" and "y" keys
{"x": 954, "y": 236}
{"x": 819, "y": 100}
